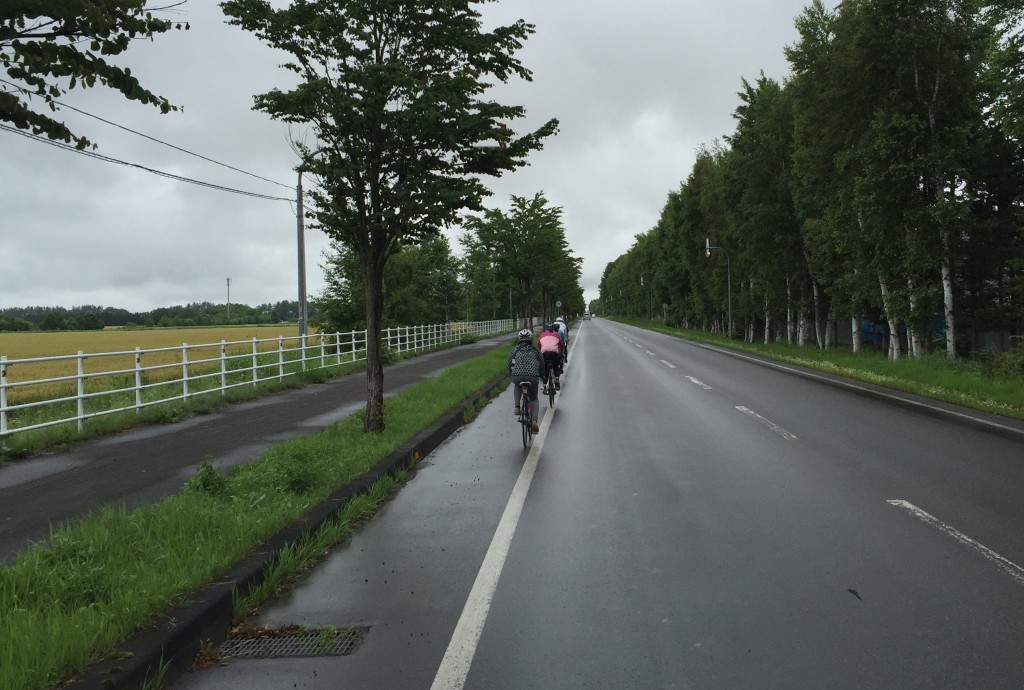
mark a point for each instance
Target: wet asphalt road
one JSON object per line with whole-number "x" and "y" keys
{"x": 694, "y": 520}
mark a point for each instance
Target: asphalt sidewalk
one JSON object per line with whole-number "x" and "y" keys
{"x": 147, "y": 464}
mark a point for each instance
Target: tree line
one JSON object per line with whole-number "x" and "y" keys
{"x": 880, "y": 183}
{"x": 91, "y": 317}
{"x": 516, "y": 264}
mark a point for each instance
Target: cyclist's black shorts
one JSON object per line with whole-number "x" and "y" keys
{"x": 553, "y": 361}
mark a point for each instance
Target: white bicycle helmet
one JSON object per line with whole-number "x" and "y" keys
{"x": 526, "y": 334}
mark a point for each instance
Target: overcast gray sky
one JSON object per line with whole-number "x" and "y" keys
{"x": 637, "y": 86}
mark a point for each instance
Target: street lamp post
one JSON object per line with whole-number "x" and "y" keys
{"x": 728, "y": 274}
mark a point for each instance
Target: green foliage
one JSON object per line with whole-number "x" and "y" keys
{"x": 1008, "y": 365}
{"x": 881, "y": 180}
{"x": 421, "y": 286}
{"x": 49, "y": 48}
{"x": 12, "y": 323}
{"x": 527, "y": 247}
{"x": 207, "y": 481}
{"x": 394, "y": 94}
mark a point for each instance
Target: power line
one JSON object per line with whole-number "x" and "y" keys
{"x": 108, "y": 159}
{"x": 146, "y": 136}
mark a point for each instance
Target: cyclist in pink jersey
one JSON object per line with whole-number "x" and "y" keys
{"x": 552, "y": 349}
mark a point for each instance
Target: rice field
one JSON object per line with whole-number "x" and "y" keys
{"x": 53, "y": 343}
{"x": 122, "y": 342}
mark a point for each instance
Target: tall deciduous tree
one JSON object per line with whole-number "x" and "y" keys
{"x": 393, "y": 90}
{"x": 48, "y": 47}
{"x": 421, "y": 286}
{"x": 527, "y": 244}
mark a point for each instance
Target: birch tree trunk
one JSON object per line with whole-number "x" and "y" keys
{"x": 855, "y": 330}
{"x": 894, "y": 333}
{"x": 947, "y": 299}
{"x": 789, "y": 312}
{"x": 913, "y": 336}
{"x": 819, "y": 335}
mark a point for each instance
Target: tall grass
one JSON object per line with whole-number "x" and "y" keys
{"x": 68, "y": 600}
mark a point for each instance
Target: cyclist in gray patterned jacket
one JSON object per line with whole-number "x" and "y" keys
{"x": 526, "y": 364}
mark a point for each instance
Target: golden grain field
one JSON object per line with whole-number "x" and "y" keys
{"x": 48, "y": 344}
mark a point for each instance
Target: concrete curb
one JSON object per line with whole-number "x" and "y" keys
{"x": 175, "y": 639}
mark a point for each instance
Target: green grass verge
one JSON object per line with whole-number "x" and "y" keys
{"x": 995, "y": 384}
{"x": 68, "y": 601}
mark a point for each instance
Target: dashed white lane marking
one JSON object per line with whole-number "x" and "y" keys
{"x": 854, "y": 386}
{"x": 670, "y": 366}
{"x": 767, "y": 422}
{"x": 639, "y": 345}
{"x": 1009, "y": 567}
{"x": 699, "y": 383}
{"x": 650, "y": 353}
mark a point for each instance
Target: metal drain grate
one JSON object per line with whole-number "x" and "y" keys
{"x": 301, "y": 644}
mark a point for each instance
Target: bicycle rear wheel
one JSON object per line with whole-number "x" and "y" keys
{"x": 551, "y": 390}
{"x": 524, "y": 419}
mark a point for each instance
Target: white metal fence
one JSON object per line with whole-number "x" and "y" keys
{"x": 101, "y": 383}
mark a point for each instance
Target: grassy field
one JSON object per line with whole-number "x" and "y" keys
{"x": 122, "y": 343}
{"x": 60, "y": 343}
{"x": 50, "y": 343}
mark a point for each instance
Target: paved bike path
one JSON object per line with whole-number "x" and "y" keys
{"x": 144, "y": 465}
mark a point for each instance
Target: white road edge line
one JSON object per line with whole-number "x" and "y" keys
{"x": 699, "y": 383}
{"x": 651, "y": 353}
{"x": 454, "y": 668}
{"x": 670, "y": 366}
{"x": 1009, "y": 567}
{"x": 768, "y": 423}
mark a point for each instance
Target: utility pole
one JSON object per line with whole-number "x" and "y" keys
{"x": 302, "y": 260}
{"x": 229, "y": 300}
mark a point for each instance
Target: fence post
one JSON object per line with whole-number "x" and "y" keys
{"x": 81, "y": 388}
{"x": 302, "y": 339}
{"x": 353, "y": 346}
{"x": 3, "y": 394}
{"x": 280, "y": 356}
{"x": 184, "y": 371}
{"x": 255, "y": 363}
{"x": 138, "y": 379}
{"x": 323, "y": 353}
{"x": 223, "y": 367}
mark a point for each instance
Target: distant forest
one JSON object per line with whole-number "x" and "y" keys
{"x": 93, "y": 318}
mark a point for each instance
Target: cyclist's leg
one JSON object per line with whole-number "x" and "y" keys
{"x": 516, "y": 392}
{"x": 551, "y": 362}
{"x": 534, "y": 390}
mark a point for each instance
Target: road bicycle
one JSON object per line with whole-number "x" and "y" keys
{"x": 525, "y": 418}
{"x": 549, "y": 389}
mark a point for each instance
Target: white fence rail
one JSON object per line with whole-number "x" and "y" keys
{"x": 102, "y": 383}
